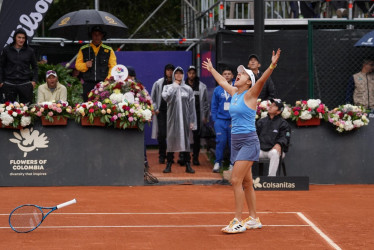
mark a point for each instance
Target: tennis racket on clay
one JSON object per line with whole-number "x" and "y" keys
{"x": 27, "y": 218}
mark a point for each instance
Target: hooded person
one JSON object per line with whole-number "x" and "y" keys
{"x": 160, "y": 109}
{"x": 18, "y": 69}
{"x": 181, "y": 117}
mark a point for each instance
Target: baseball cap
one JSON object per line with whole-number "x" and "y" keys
{"x": 50, "y": 73}
{"x": 249, "y": 72}
{"x": 253, "y": 56}
{"x": 191, "y": 67}
{"x": 277, "y": 102}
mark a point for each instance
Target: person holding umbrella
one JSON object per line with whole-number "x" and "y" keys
{"x": 95, "y": 61}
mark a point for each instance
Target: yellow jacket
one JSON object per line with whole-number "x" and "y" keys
{"x": 82, "y": 67}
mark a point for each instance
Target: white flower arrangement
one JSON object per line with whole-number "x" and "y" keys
{"x": 348, "y": 117}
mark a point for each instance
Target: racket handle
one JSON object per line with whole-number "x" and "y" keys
{"x": 66, "y": 203}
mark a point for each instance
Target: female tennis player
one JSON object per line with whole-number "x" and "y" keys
{"x": 245, "y": 146}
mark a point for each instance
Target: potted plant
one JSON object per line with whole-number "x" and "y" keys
{"x": 309, "y": 113}
{"x": 348, "y": 117}
{"x": 93, "y": 113}
{"x": 130, "y": 102}
{"x": 14, "y": 115}
{"x": 262, "y": 109}
{"x": 52, "y": 113}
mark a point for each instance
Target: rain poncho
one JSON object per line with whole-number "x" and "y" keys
{"x": 180, "y": 115}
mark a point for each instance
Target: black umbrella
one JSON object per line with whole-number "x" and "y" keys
{"x": 76, "y": 25}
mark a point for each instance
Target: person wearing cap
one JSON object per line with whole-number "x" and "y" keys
{"x": 18, "y": 70}
{"x": 201, "y": 107}
{"x": 181, "y": 116}
{"x": 274, "y": 134}
{"x": 95, "y": 61}
{"x": 222, "y": 120}
{"x": 52, "y": 90}
{"x": 268, "y": 91}
{"x": 160, "y": 109}
{"x": 245, "y": 146}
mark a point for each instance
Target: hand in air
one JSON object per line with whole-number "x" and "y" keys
{"x": 275, "y": 57}
{"x": 208, "y": 65}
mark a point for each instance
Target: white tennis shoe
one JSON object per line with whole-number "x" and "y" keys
{"x": 251, "y": 223}
{"x": 234, "y": 227}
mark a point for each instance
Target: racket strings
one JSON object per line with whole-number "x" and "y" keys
{"x": 26, "y": 218}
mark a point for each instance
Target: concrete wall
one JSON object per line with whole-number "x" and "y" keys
{"x": 328, "y": 157}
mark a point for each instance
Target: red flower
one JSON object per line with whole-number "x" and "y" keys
{"x": 84, "y": 106}
{"x": 7, "y": 103}
{"x": 10, "y": 112}
{"x": 304, "y": 102}
{"x": 91, "y": 110}
{"x": 104, "y": 106}
{"x": 296, "y": 113}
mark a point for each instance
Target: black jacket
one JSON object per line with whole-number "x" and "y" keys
{"x": 99, "y": 70}
{"x": 268, "y": 91}
{"x": 15, "y": 66}
{"x": 273, "y": 131}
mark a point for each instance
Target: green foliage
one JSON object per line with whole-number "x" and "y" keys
{"x": 72, "y": 84}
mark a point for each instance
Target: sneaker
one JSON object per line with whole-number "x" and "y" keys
{"x": 234, "y": 227}
{"x": 216, "y": 167}
{"x": 231, "y": 167}
{"x": 251, "y": 223}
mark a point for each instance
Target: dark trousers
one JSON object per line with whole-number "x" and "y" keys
{"x": 184, "y": 155}
{"x": 87, "y": 87}
{"x": 161, "y": 136}
{"x": 196, "y": 144}
{"x": 23, "y": 91}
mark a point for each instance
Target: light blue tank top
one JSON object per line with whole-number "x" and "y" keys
{"x": 242, "y": 117}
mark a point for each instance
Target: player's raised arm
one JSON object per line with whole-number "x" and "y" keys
{"x": 219, "y": 78}
{"x": 256, "y": 90}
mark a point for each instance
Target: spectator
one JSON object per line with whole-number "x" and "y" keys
{"x": 340, "y": 8}
{"x": 201, "y": 107}
{"x": 268, "y": 91}
{"x": 360, "y": 90}
{"x": 362, "y": 5}
{"x": 52, "y": 90}
{"x": 274, "y": 135}
{"x": 95, "y": 61}
{"x": 305, "y": 9}
{"x": 222, "y": 119}
{"x": 160, "y": 109}
{"x": 18, "y": 70}
{"x": 181, "y": 116}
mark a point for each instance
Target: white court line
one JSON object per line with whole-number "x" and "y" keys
{"x": 324, "y": 236}
{"x": 167, "y": 213}
{"x": 157, "y": 226}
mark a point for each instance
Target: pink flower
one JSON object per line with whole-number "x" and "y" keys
{"x": 39, "y": 113}
{"x": 50, "y": 113}
{"x": 59, "y": 110}
{"x": 131, "y": 119}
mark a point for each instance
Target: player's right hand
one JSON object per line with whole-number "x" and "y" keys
{"x": 89, "y": 63}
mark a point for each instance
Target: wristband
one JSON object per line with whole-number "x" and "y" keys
{"x": 272, "y": 66}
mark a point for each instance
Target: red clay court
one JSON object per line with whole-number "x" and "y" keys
{"x": 190, "y": 217}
